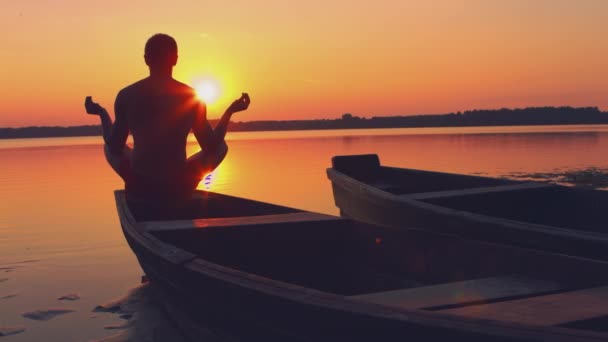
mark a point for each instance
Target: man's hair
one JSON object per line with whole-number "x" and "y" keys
{"x": 160, "y": 49}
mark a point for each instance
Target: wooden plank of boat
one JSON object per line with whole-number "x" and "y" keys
{"x": 463, "y": 293}
{"x": 235, "y": 221}
{"x": 554, "y": 309}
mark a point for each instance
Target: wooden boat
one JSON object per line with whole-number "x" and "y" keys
{"x": 529, "y": 214}
{"x": 247, "y": 270}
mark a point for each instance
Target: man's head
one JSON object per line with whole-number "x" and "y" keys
{"x": 161, "y": 51}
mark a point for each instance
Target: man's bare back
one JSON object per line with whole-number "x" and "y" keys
{"x": 160, "y": 112}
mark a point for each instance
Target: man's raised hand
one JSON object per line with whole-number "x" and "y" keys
{"x": 240, "y": 104}
{"x": 92, "y": 107}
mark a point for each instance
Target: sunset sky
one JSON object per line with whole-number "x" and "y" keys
{"x": 307, "y": 59}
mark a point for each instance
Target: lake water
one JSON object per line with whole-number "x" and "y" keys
{"x": 60, "y": 235}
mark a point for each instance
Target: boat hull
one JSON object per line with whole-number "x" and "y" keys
{"x": 207, "y": 299}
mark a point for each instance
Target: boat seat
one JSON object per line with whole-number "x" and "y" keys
{"x": 462, "y": 293}
{"x": 303, "y": 216}
{"x": 554, "y": 309}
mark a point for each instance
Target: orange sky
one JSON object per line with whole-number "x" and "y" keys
{"x": 308, "y": 59}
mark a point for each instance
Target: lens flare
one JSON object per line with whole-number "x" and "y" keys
{"x": 208, "y": 90}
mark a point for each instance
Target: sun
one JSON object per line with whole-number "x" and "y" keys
{"x": 208, "y": 90}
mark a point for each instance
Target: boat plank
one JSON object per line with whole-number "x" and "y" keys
{"x": 475, "y": 191}
{"x": 235, "y": 221}
{"x": 554, "y": 309}
{"x": 462, "y": 292}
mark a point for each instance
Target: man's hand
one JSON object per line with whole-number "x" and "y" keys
{"x": 240, "y": 104}
{"x": 92, "y": 107}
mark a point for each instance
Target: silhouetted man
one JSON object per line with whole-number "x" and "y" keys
{"x": 160, "y": 112}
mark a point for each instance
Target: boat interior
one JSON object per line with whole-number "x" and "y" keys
{"x": 557, "y": 206}
{"x": 399, "y": 268}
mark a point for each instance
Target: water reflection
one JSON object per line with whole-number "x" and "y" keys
{"x": 58, "y": 207}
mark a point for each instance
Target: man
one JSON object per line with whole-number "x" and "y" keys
{"x": 160, "y": 112}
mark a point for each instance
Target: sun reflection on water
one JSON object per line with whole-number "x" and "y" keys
{"x": 207, "y": 182}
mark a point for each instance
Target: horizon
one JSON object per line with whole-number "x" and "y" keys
{"x": 342, "y": 117}
{"x": 311, "y": 60}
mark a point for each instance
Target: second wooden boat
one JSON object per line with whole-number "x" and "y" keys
{"x": 529, "y": 214}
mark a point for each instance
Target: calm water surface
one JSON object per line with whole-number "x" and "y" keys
{"x": 59, "y": 231}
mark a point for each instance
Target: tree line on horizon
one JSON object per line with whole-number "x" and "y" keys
{"x": 483, "y": 117}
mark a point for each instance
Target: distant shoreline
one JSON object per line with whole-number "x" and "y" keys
{"x": 532, "y": 116}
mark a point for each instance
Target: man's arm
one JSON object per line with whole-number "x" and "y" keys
{"x": 219, "y": 133}
{"x": 114, "y": 135}
{"x": 238, "y": 105}
{"x": 120, "y": 129}
{"x": 202, "y": 129}
{"x": 210, "y": 138}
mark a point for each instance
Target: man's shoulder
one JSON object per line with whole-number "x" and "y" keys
{"x": 182, "y": 84}
{"x": 184, "y": 88}
{"x": 144, "y": 86}
{"x": 132, "y": 87}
